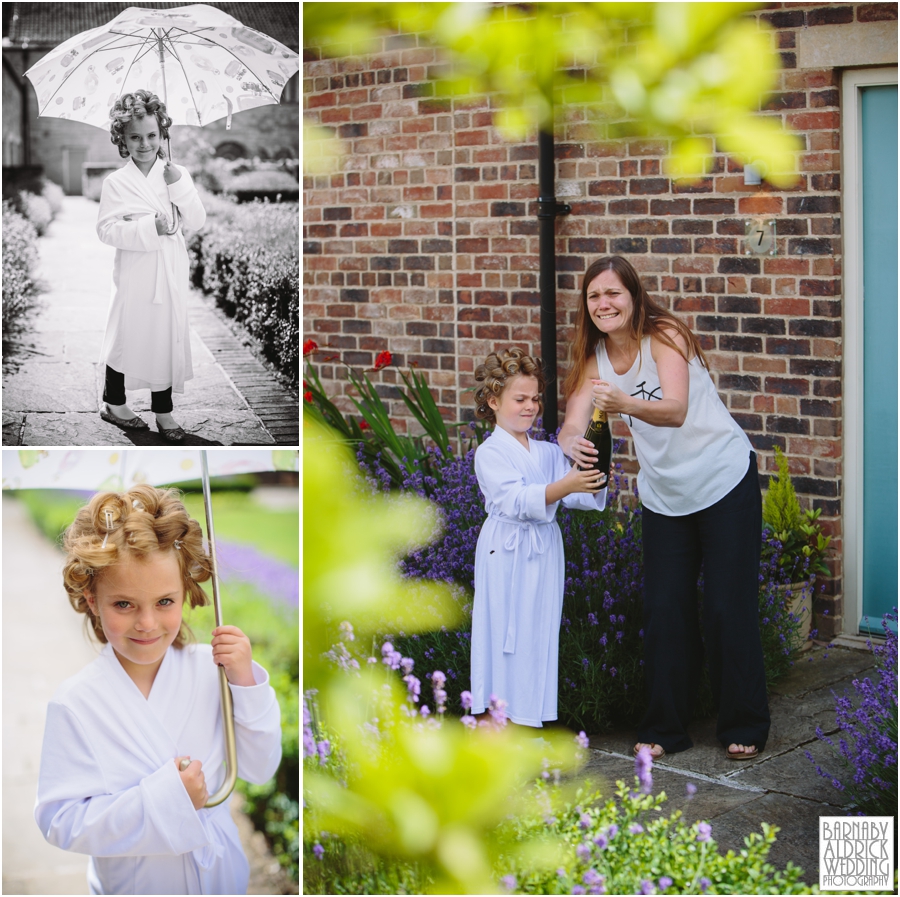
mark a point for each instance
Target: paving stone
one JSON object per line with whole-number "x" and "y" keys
{"x": 51, "y": 386}
{"x": 823, "y": 671}
{"x": 12, "y": 427}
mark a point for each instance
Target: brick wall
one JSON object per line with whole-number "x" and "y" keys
{"x": 426, "y": 244}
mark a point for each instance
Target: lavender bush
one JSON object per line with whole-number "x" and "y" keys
{"x": 868, "y": 739}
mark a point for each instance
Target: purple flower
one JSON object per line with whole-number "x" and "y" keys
{"x": 690, "y": 789}
{"x": 665, "y": 882}
{"x": 509, "y": 882}
{"x": 582, "y": 740}
{"x": 704, "y": 884}
{"x": 643, "y": 763}
{"x": 498, "y": 710}
{"x": 274, "y": 578}
{"x": 414, "y": 688}
{"x": 318, "y": 850}
{"x": 324, "y": 749}
{"x": 468, "y": 721}
{"x": 577, "y": 889}
{"x": 406, "y": 664}
{"x": 465, "y": 699}
{"x": 585, "y": 821}
{"x": 583, "y": 852}
{"x": 592, "y": 877}
{"x": 612, "y": 831}
{"x": 601, "y": 841}
{"x": 704, "y": 830}
{"x": 635, "y": 828}
{"x": 647, "y": 887}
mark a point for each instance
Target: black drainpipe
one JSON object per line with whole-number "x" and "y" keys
{"x": 548, "y": 210}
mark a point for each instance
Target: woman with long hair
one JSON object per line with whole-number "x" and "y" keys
{"x": 702, "y": 506}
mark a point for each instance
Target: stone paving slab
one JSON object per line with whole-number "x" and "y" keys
{"x": 817, "y": 671}
{"x": 51, "y": 386}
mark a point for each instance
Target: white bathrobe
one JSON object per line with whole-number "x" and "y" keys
{"x": 147, "y": 336}
{"x": 519, "y": 577}
{"x": 109, "y": 787}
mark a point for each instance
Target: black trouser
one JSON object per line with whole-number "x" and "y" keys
{"x": 114, "y": 393}
{"x": 726, "y": 539}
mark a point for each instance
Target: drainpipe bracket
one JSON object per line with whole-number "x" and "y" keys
{"x": 550, "y": 208}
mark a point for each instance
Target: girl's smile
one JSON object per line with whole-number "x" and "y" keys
{"x": 142, "y": 141}
{"x": 139, "y": 602}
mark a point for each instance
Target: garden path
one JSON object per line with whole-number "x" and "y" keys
{"x": 780, "y": 787}
{"x": 52, "y": 383}
{"x": 43, "y": 644}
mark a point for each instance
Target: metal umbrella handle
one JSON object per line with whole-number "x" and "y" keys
{"x": 224, "y": 690}
{"x": 174, "y": 228}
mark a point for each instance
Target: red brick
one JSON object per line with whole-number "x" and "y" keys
{"x": 795, "y": 307}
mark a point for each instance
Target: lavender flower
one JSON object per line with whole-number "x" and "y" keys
{"x": 583, "y": 852}
{"x": 274, "y": 578}
{"x": 704, "y": 884}
{"x": 665, "y": 882}
{"x": 324, "y": 750}
{"x": 601, "y": 841}
{"x": 318, "y": 850}
{"x": 635, "y": 828}
{"x": 643, "y": 763}
{"x": 647, "y": 887}
{"x": 612, "y": 831}
{"x": 577, "y": 889}
{"x": 498, "y": 710}
{"x": 592, "y": 877}
{"x": 468, "y": 721}
{"x": 582, "y": 740}
{"x": 465, "y": 699}
{"x": 690, "y": 790}
{"x": 704, "y": 831}
{"x": 585, "y": 821}
{"x": 413, "y": 687}
{"x": 509, "y": 882}
{"x": 438, "y": 679}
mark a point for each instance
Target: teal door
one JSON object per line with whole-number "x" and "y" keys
{"x": 880, "y": 298}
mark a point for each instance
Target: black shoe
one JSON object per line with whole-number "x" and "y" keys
{"x": 134, "y": 423}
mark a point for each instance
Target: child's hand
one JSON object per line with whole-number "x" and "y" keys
{"x": 231, "y": 650}
{"x": 194, "y": 781}
{"x": 162, "y": 226}
{"x": 590, "y": 480}
{"x": 170, "y": 173}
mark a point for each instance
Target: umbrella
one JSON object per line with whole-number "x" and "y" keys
{"x": 119, "y": 470}
{"x": 206, "y": 61}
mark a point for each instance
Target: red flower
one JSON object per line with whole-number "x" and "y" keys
{"x": 307, "y": 396}
{"x": 364, "y": 425}
{"x": 309, "y": 347}
{"x": 383, "y": 360}
{"x": 331, "y": 357}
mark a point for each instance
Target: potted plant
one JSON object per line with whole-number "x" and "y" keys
{"x": 803, "y": 545}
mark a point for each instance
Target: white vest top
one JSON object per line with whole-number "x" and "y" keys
{"x": 688, "y": 468}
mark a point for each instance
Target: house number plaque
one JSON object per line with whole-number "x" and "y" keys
{"x": 759, "y": 237}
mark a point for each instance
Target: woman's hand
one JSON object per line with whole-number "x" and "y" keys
{"x": 162, "y": 226}
{"x": 170, "y": 173}
{"x": 608, "y": 398}
{"x": 194, "y": 781}
{"x": 582, "y": 451}
{"x": 231, "y": 650}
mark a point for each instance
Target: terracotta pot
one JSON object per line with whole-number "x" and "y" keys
{"x": 801, "y": 606}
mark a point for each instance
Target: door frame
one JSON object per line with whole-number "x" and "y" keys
{"x": 853, "y": 391}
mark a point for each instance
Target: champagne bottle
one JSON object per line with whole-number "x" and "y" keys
{"x": 598, "y": 434}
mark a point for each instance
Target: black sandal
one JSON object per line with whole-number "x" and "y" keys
{"x": 133, "y": 423}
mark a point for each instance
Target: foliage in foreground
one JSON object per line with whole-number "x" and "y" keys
{"x": 868, "y": 734}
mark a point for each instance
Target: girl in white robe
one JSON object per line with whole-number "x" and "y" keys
{"x": 110, "y": 782}
{"x": 147, "y": 340}
{"x": 519, "y": 561}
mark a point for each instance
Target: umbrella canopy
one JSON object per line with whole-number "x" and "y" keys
{"x": 203, "y": 63}
{"x": 123, "y": 468}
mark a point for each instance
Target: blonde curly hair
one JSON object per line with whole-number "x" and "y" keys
{"x": 496, "y": 372}
{"x": 143, "y": 520}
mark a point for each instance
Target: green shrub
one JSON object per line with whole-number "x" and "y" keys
{"x": 20, "y": 289}
{"x": 273, "y": 185}
{"x": 247, "y": 259}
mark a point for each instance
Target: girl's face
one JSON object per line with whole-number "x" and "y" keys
{"x": 142, "y": 138}
{"x": 518, "y": 405}
{"x": 139, "y": 603}
{"x": 609, "y": 303}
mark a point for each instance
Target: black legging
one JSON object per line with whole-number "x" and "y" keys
{"x": 114, "y": 393}
{"x": 726, "y": 539}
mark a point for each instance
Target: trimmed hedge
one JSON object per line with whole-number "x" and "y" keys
{"x": 20, "y": 289}
{"x": 247, "y": 259}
